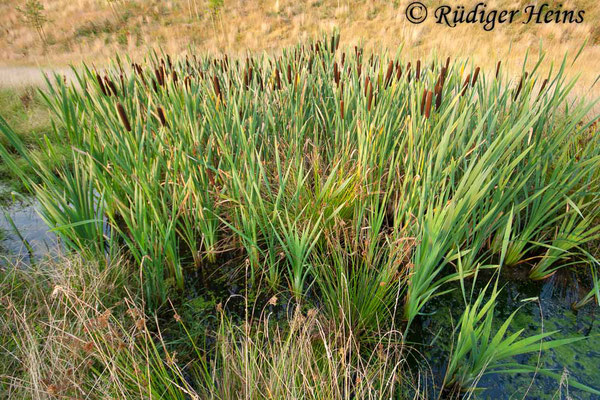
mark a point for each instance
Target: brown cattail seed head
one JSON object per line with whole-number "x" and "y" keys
{"x": 466, "y": 85}
{"x": 543, "y": 87}
{"x": 217, "y": 86}
{"x": 123, "y": 116}
{"x": 388, "y": 75}
{"x": 428, "y": 104}
{"x": 277, "y": 79}
{"x": 111, "y": 86}
{"x": 475, "y": 76}
{"x": 101, "y": 83}
{"x": 523, "y": 78}
{"x": 336, "y": 73}
{"x": 161, "y": 116}
{"x": 398, "y": 72}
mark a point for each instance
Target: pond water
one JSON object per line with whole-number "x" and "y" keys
{"x": 580, "y": 361}
{"x": 552, "y": 311}
{"x": 24, "y": 236}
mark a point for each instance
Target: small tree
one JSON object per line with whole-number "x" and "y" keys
{"x": 33, "y": 15}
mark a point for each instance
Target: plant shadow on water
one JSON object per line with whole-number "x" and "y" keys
{"x": 556, "y": 295}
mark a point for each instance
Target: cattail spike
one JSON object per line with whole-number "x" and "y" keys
{"x": 475, "y": 75}
{"x": 466, "y": 85}
{"x": 123, "y": 116}
{"x": 543, "y": 87}
{"x": 102, "y": 87}
{"x": 217, "y": 86}
{"x": 336, "y": 74}
{"x": 388, "y": 75}
{"x": 111, "y": 86}
{"x": 428, "y": 104}
{"x": 161, "y": 116}
{"x": 277, "y": 79}
{"x": 398, "y": 72}
{"x": 523, "y": 79}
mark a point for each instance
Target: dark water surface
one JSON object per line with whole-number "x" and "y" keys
{"x": 31, "y": 240}
{"x": 551, "y": 311}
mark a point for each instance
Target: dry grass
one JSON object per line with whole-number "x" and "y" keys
{"x": 71, "y": 329}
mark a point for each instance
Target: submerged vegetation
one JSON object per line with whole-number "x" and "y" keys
{"x": 347, "y": 189}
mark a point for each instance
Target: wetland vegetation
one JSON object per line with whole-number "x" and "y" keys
{"x": 320, "y": 223}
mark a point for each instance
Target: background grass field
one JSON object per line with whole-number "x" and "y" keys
{"x": 93, "y": 30}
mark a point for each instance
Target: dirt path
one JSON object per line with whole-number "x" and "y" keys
{"x": 24, "y": 76}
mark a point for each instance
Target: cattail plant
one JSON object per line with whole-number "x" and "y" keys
{"x": 111, "y": 86}
{"x": 352, "y": 193}
{"x": 475, "y": 76}
{"x": 438, "y": 96}
{"x": 543, "y": 87}
{"x": 101, "y": 84}
{"x": 217, "y": 87}
{"x": 123, "y": 116}
{"x": 161, "y": 115}
{"x": 370, "y": 96}
{"x": 336, "y": 74}
{"x": 423, "y": 98}
{"x": 466, "y": 85}
{"x": 388, "y": 74}
{"x": 428, "y": 104}
{"x": 523, "y": 78}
